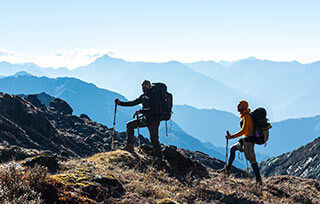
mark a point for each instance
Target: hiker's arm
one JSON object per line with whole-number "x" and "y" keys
{"x": 242, "y": 131}
{"x": 131, "y": 103}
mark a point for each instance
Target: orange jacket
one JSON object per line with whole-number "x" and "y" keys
{"x": 247, "y": 127}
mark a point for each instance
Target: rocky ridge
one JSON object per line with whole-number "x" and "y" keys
{"x": 302, "y": 162}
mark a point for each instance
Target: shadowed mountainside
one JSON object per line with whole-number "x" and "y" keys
{"x": 302, "y": 162}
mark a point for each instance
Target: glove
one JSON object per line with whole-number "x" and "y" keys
{"x": 228, "y": 136}
{"x": 117, "y": 101}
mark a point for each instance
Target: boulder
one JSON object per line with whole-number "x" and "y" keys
{"x": 61, "y": 106}
{"x": 47, "y": 160}
{"x": 95, "y": 186}
{"x": 181, "y": 165}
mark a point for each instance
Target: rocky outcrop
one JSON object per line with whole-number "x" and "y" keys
{"x": 24, "y": 114}
{"x": 27, "y": 125}
{"x": 302, "y": 162}
{"x": 183, "y": 165}
{"x": 211, "y": 162}
{"x": 24, "y": 125}
{"x": 178, "y": 164}
{"x": 60, "y": 106}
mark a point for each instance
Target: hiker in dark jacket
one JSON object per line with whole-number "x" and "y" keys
{"x": 244, "y": 146}
{"x": 149, "y": 118}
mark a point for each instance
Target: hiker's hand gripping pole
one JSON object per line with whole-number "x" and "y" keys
{"x": 136, "y": 114}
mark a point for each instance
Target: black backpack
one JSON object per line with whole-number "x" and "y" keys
{"x": 164, "y": 101}
{"x": 260, "y": 125}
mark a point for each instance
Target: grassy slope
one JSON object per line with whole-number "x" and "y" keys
{"x": 145, "y": 184}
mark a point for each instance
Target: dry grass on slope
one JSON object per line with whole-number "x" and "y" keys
{"x": 145, "y": 184}
{"x": 122, "y": 177}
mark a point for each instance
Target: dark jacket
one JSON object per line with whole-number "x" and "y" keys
{"x": 148, "y": 101}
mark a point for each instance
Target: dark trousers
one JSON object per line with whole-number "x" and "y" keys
{"x": 153, "y": 127}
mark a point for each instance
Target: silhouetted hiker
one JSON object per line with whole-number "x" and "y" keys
{"x": 246, "y": 147}
{"x": 149, "y": 119}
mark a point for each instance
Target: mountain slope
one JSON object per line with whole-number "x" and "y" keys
{"x": 53, "y": 129}
{"x": 121, "y": 177}
{"x": 302, "y": 162}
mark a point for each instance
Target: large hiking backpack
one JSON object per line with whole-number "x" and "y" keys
{"x": 164, "y": 101}
{"x": 260, "y": 125}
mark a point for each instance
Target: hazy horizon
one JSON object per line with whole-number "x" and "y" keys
{"x": 55, "y": 32}
{"x": 70, "y": 63}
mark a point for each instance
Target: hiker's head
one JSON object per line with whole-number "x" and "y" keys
{"x": 146, "y": 85}
{"x": 242, "y": 106}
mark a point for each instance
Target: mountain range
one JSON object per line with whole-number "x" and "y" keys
{"x": 187, "y": 85}
{"x": 287, "y": 89}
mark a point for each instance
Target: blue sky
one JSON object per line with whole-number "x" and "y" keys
{"x": 163, "y": 30}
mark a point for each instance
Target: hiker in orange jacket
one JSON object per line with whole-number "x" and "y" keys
{"x": 243, "y": 146}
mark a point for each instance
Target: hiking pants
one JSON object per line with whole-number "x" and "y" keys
{"x": 247, "y": 148}
{"x": 153, "y": 127}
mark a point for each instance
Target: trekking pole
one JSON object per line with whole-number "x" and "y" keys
{"x": 114, "y": 125}
{"x": 139, "y": 142}
{"x": 166, "y": 129}
{"x": 227, "y": 144}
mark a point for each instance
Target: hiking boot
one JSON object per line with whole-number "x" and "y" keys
{"x": 256, "y": 172}
{"x": 259, "y": 181}
{"x": 225, "y": 170}
{"x": 129, "y": 148}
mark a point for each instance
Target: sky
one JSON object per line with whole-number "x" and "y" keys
{"x": 72, "y": 33}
